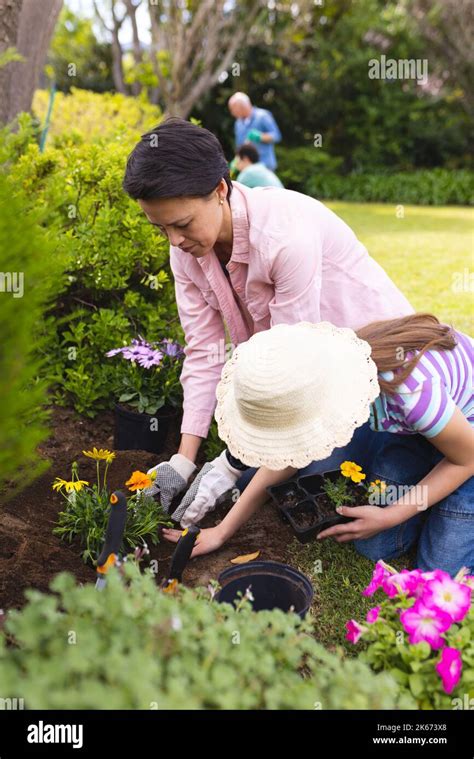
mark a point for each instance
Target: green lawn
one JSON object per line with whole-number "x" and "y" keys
{"x": 421, "y": 252}
{"x": 425, "y": 253}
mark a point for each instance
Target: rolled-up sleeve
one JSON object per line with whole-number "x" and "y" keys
{"x": 295, "y": 270}
{"x": 204, "y": 352}
{"x": 269, "y": 126}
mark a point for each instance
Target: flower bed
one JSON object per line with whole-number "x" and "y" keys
{"x": 87, "y": 508}
{"x": 422, "y": 633}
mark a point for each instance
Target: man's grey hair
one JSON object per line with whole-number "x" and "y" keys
{"x": 239, "y": 97}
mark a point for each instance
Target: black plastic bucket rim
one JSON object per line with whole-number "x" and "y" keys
{"x": 293, "y": 576}
{"x": 129, "y": 414}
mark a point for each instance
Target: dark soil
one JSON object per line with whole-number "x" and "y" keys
{"x": 290, "y": 501}
{"x": 305, "y": 516}
{"x": 308, "y": 514}
{"x": 30, "y": 555}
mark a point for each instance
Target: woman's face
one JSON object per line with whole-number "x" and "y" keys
{"x": 192, "y": 224}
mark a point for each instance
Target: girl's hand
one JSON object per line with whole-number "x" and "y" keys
{"x": 208, "y": 540}
{"x": 369, "y": 520}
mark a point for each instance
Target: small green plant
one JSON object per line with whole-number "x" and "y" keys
{"x": 339, "y": 490}
{"x": 139, "y": 648}
{"x": 87, "y": 508}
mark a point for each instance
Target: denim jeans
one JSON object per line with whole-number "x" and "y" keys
{"x": 443, "y": 534}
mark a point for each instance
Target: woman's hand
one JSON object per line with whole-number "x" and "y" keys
{"x": 208, "y": 540}
{"x": 368, "y": 521}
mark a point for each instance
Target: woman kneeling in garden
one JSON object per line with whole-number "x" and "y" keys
{"x": 295, "y": 399}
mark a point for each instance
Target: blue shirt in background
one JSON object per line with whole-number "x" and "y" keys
{"x": 262, "y": 120}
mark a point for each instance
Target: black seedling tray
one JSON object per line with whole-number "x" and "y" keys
{"x": 303, "y": 515}
{"x": 312, "y": 484}
{"x": 282, "y": 492}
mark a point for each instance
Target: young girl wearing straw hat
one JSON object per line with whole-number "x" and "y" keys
{"x": 297, "y": 394}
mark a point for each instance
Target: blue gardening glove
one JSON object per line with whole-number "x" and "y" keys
{"x": 254, "y": 135}
{"x": 215, "y": 478}
{"x": 171, "y": 478}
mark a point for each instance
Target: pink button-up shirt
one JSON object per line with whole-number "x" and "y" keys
{"x": 292, "y": 260}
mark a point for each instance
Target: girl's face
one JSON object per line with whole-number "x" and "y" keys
{"x": 192, "y": 224}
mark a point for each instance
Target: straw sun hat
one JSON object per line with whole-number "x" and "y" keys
{"x": 293, "y": 393}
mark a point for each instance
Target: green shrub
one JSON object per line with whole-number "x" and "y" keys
{"x": 28, "y": 260}
{"x": 117, "y": 281}
{"x": 296, "y": 166}
{"x": 84, "y": 116}
{"x": 431, "y": 187}
{"x": 136, "y": 647}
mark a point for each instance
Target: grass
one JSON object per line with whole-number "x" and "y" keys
{"x": 421, "y": 252}
{"x": 425, "y": 253}
{"x": 338, "y": 574}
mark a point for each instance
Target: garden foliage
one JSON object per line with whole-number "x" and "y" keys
{"x": 117, "y": 281}
{"x": 28, "y": 269}
{"x": 131, "y": 646}
{"x": 316, "y": 173}
{"x": 422, "y": 633}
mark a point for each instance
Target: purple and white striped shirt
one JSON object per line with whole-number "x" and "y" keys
{"x": 425, "y": 402}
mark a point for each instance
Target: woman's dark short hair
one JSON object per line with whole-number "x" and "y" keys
{"x": 175, "y": 159}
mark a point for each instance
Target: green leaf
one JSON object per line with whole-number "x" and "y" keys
{"x": 416, "y": 684}
{"x": 127, "y": 397}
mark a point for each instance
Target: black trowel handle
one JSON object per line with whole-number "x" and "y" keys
{"x": 115, "y": 527}
{"x": 182, "y": 552}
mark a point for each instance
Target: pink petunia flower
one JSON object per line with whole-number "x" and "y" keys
{"x": 380, "y": 573}
{"x": 426, "y": 623}
{"x": 406, "y": 581}
{"x": 354, "y": 631}
{"x": 435, "y": 574}
{"x": 448, "y": 595}
{"x": 449, "y": 668}
{"x": 372, "y": 614}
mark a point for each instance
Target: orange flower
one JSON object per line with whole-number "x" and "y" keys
{"x": 138, "y": 481}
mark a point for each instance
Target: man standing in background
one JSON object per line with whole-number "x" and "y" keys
{"x": 255, "y": 124}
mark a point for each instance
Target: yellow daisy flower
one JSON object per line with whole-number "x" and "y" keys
{"x": 69, "y": 486}
{"x": 100, "y": 455}
{"x": 352, "y": 470}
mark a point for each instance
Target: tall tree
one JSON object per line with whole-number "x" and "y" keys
{"x": 114, "y": 30}
{"x": 27, "y": 26}
{"x": 193, "y": 43}
{"x": 448, "y": 30}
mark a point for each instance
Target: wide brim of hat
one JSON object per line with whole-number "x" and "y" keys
{"x": 296, "y": 446}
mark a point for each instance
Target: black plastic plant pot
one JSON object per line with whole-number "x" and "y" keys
{"x": 142, "y": 432}
{"x": 273, "y": 586}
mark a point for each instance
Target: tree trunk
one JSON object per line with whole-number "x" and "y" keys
{"x": 9, "y": 20}
{"x": 27, "y": 25}
{"x": 137, "y": 48}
